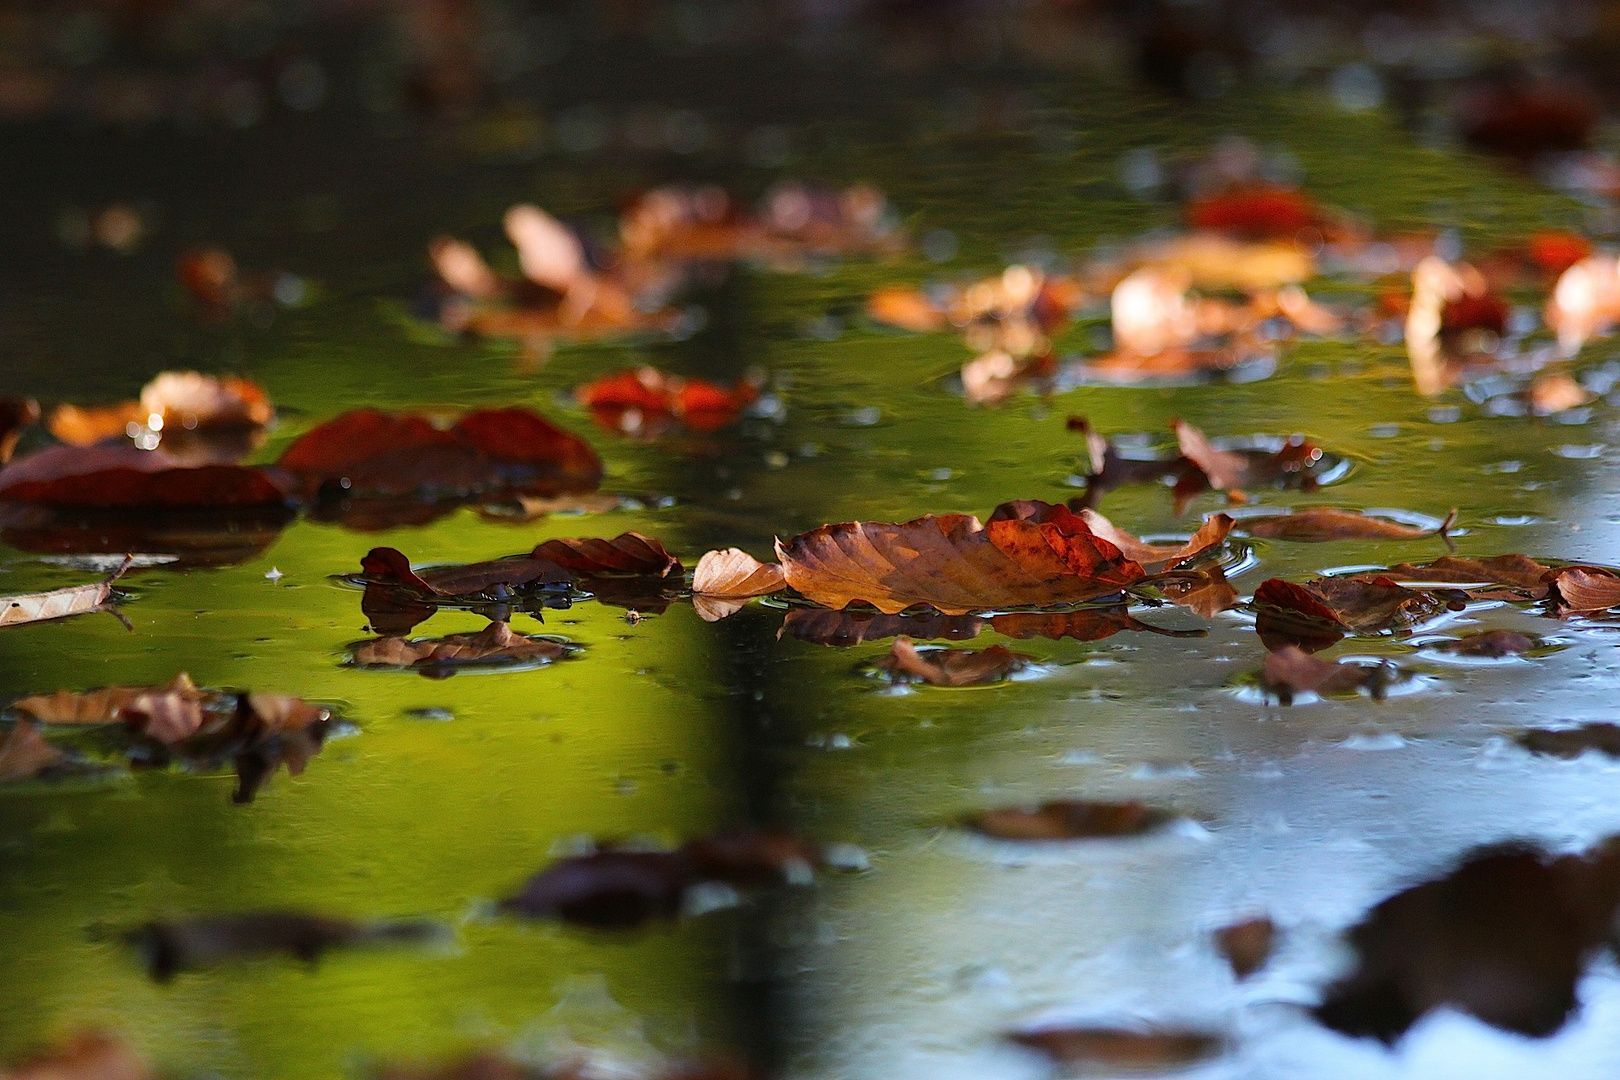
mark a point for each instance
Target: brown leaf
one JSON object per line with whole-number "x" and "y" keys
{"x": 1319, "y": 524}
{"x": 25, "y": 754}
{"x": 1204, "y": 592}
{"x": 1156, "y": 558}
{"x": 1069, "y": 819}
{"x": 497, "y": 578}
{"x": 1556, "y": 393}
{"x": 120, "y": 476}
{"x": 1488, "y": 643}
{"x": 170, "y": 717}
{"x": 724, "y": 579}
{"x": 1293, "y": 465}
{"x": 1121, "y": 1048}
{"x": 1500, "y": 577}
{"x": 1247, "y": 945}
{"x": 1504, "y": 938}
{"x": 168, "y": 948}
{"x": 954, "y": 564}
{"x": 101, "y": 706}
{"x": 1580, "y": 590}
{"x": 627, "y": 553}
{"x": 1360, "y": 605}
{"x": 753, "y": 858}
{"x": 59, "y": 603}
{"x": 374, "y": 454}
{"x": 842, "y": 629}
{"x": 440, "y": 657}
{"x": 1573, "y": 742}
{"x": 1290, "y": 670}
{"x": 950, "y": 667}
{"x": 91, "y": 1056}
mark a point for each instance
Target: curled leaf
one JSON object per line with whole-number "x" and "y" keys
{"x": 60, "y": 603}
{"x": 725, "y": 579}
{"x": 1156, "y": 558}
{"x": 1581, "y": 590}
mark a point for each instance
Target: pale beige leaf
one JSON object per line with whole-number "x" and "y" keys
{"x": 59, "y": 603}
{"x": 735, "y": 573}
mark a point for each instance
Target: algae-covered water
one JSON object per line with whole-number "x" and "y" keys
{"x": 446, "y": 794}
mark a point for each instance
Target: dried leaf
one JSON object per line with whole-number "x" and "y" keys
{"x": 1247, "y": 945}
{"x": 1070, "y": 819}
{"x": 168, "y": 948}
{"x": 1205, "y": 592}
{"x": 1504, "y": 938}
{"x": 906, "y": 308}
{"x": 950, "y": 667}
{"x": 60, "y": 603}
{"x": 1556, "y": 393}
{"x": 101, "y": 706}
{"x": 725, "y": 579}
{"x": 1255, "y": 212}
{"x": 1581, "y": 590}
{"x": 1156, "y": 558}
{"x": 1584, "y": 303}
{"x": 954, "y": 564}
{"x": 495, "y": 645}
{"x": 1121, "y": 1048}
{"x": 627, "y": 553}
{"x": 494, "y": 578}
{"x": 25, "y": 754}
{"x": 1499, "y": 577}
{"x": 1212, "y": 261}
{"x": 648, "y": 394}
{"x": 1227, "y": 469}
{"x": 1319, "y": 524}
{"x": 120, "y": 476}
{"x": 1359, "y": 605}
{"x": 369, "y": 453}
{"x": 1290, "y": 670}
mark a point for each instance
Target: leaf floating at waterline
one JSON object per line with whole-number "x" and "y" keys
{"x": 1581, "y": 590}
{"x": 725, "y": 580}
{"x": 955, "y": 564}
{"x": 627, "y": 553}
{"x": 1160, "y": 557}
{"x": 101, "y": 706}
{"x": 950, "y": 667}
{"x": 170, "y": 947}
{"x": 1291, "y": 670}
{"x": 1070, "y": 819}
{"x": 1357, "y": 605}
{"x": 1504, "y": 938}
{"x": 1499, "y": 577}
{"x": 1491, "y": 644}
{"x": 119, "y": 476}
{"x": 1247, "y": 945}
{"x": 494, "y": 646}
{"x": 1573, "y": 742}
{"x": 647, "y": 401}
{"x": 1294, "y": 464}
{"x": 25, "y": 754}
{"x": 1320, "y": 524}
{"x": 1117, "y": 1049}
{"x": 60, "y": 603}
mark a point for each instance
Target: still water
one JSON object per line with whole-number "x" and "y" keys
{"x": 448, "y": 793}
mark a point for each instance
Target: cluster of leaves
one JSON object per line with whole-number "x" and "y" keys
{"x": 178, "y": 723}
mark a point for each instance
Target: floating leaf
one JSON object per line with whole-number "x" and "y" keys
{"x": 1247, "y": 945}
{"x": 25, "y": 754}
{"x": 1290, "y": 670}
{"x": 1503, "y": 937}
{"x": 1573, "y": 742}
{"x": 120, "y": 476}
{"x": 1580, "y": 590}
{"x": 724, "y": 580}
{"x": 173, "y": 402}
{"x": 1156, "y": 558}
{"x": 1499, "y": 577}
{"x": 1584, "y": 303}
{"x": 60, "y": 603}
{"x": 955, "y": 564}
{"x": 1223, "y": 470}
{"x": 1204, "y": 592}
{"x": 950, "y": 667}
{"x": 1255, "y": 212}
{"x": 493, "y": 646}
{"x": 1319, "y": 524}
{"x": 1358, "y": 605}
{"x": 1121, "y": 1048}
{"x": 642, "y": 399}
{"x": 1493, "y": 644}
{"x": 170, "y": 947}
{"x": 627, "y": 553}
{"x": 1070, "y": 819}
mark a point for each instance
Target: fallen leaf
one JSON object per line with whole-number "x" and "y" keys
{"x": 1489, "y": 643}
{"x": 1156, "y": 558}
{"x": 950, "y": 667}
{"x": 494, "y": 646}
{"x": 121, "y": 476}
{"x": 627, "y": 553}
{"x": 1117, "y": 1049}
{"x": 1204, "y": 592}
{"x": 1247, "y": 945}
{"x": 493, "y": 579}
{"x": 548, "y": 251}
{"x": 1152, "y": 313}
{"x": 1453, "y": 319}
{"x": 1069, "y": 819}
{"x": 1290, "y": 670}
{"x": 1255, "y": 212}
{"x": 173, "y": 402}
{"x": 1503, "y": 938}
{"x": 101, "y": 706}
{"x": 1320, "y": 524}
{"x": 1556, "y": 393}
{"x": 60, "y": 603}
{"x": 92, "y": 1056}
{"x": 634, "y": 400}
{"x": 1359, "y": 605}
{"x": 1581, "y": 590}
{"x": 1554, "y": 251}
{"x": 955, "y": 564}
{"x": 842, "y": 629}
{"x": 754, "y": 858}
{"x": 1573, "y": 742}
{"x": 16, "y": 415}
{"x": 1498, "y": 577}
{"x": 724, "y": 580}
{"x": 1525, "y": 121}
{"x": 1584, "y": 303}
{"x": 25, "y": 754}
{"x": 369, "y": 453}
{"x": 1294, "y": 464}
{"x": 168, "y": 948}
{"x": 905, "y": 308}
{"x": 1212, "y": 261}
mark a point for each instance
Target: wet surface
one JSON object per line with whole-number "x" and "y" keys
{"x": 440, "y": 798}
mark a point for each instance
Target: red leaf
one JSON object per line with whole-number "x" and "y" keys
{"x": 119, "y": 476}
{"x": 1258, "y": 212}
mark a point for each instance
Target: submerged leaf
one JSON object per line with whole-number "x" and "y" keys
{"x": 1070, "y": 819}
{"x": 170, "y": 947}
{"x": 495, "y": 645}
{"x": 1290, "y": 670}
{"x": 1359, "y": 605}
{"x": 950, "y": 667}
{"x": 1489, "y": 643}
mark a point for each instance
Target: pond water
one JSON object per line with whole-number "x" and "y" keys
{"x": 447, "y": 794}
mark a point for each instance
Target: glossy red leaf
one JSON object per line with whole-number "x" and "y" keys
{"x": 120, "y": 476}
